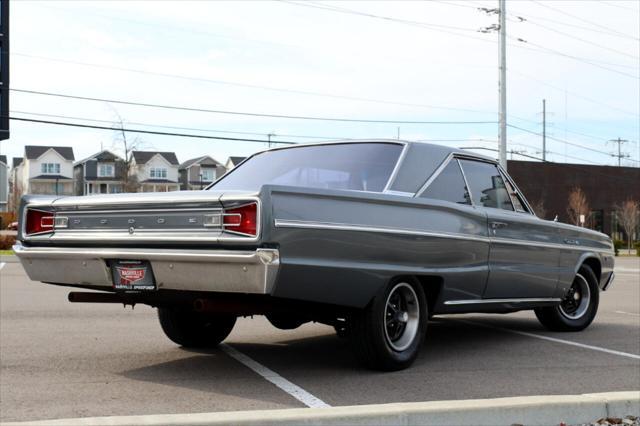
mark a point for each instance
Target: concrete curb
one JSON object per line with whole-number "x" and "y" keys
{"x": 529, "y": 410}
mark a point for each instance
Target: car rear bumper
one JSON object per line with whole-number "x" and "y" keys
{"x": 232, "y": 271}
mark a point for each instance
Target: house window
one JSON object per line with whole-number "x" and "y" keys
{"x": 158, "y": 173}
{"x": 105, "y": 170}
{"x": 208, "y": 175}
{"x": 50, "y": 168}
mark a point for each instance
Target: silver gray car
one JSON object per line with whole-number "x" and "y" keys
{"x": 370, "y": 237}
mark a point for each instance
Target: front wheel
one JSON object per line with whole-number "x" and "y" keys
{"x": 578, "y": 307}
{"x": 193, "y": 329}
{"x": 388, "y": 334}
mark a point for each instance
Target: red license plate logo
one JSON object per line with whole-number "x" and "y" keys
{"x": 129, "y": 276}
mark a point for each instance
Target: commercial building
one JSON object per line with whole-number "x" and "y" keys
{"x": 605, "y": 187}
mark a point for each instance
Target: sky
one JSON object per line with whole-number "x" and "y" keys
{"x": 327, "y": 59}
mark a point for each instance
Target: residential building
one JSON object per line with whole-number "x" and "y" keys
{"x": 43, "y": 170}
{"x": 199, "y": 172}
{"x": 102, "y": 173}
{"x": 155, "y": 171}
{"x": 605, "y": 188}
{"x": 233, "y": 161}
{"x": 4, "y": 183}
{"x": 15, "y": 190}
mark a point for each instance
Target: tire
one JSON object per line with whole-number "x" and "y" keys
{"x": 388, "y": 338}
{"x": 578, "y": 308}
{"x": 195, "y": 330}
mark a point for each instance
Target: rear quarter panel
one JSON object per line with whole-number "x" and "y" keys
{"x": 342, "y": 247}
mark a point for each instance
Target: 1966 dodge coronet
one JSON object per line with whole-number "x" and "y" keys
{"x": 371, "y": 237}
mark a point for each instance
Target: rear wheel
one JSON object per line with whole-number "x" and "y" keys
{"x": 387, "y": 335}
{"x": 578, "y": 307}
{"x": 194, "y": 329}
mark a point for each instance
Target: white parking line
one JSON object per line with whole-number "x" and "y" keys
{"x": 2, "y": 265}
{"x": 627, "y": 313}
{"x": 292, "y": 389}
{"x": 553, "y": 339}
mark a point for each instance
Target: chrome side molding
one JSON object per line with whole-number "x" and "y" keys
{"x": 489, "y": 301}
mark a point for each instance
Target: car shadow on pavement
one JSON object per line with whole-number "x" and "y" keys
{"x": 209, "y": 371}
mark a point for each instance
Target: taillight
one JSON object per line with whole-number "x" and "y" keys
{"x": 241, "y": 219}
{"x": 38, "y": 222}
{"x": 42, "y": 222}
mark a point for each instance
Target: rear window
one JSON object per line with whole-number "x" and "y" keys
{"x": 352, "y": 166}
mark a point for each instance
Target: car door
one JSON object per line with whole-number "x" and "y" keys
{"x": 524, "y": 255}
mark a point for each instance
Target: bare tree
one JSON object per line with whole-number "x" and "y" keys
{"x": 629, "y": 216}
{"x": 577, "y": 206}
{"x": 129, "y": 178}
{"x": 539, "y": 208}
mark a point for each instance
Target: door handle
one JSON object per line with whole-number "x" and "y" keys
{"x": 498, "y": 225}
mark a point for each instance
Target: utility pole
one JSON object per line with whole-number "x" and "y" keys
{"x": 619, "y": 155}
{"x": 544, "y": 130}
{"x": 502, "y": 155}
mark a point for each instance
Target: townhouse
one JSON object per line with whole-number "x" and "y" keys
{"x": 199, "y": 172}
{"x": 101, "y": 173}
{"x": 155, "y": 171}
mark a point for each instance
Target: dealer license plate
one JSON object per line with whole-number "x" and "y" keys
{"x": 132, "y": 275}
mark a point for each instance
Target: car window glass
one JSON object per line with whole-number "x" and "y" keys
{"x": 515, "y": 197}
{"x": 350, "y": 166}
{"x": 487, "y": 185}
{"x": 449, "y": 186}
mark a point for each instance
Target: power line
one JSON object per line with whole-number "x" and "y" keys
{"x": 250, "y": 86}
{"x": 595, "y": 24}
{"x": 594, "y": 101}
{"x": 564, "y": 141}
{"x": 38, "y": 114}
{"x": 567, "y": 24}
{"x": 252, "y": 114}
{"x": 575, "y": 58}
{"x": 149, "y": 132}
{"x": 332, "y": 8}
{"x": 589, "y": 42}
{"x": 613, "y": 4}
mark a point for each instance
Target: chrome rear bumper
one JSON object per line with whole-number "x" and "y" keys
{"x": 194, "y": 270}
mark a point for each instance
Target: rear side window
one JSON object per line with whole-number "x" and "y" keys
{"x": 350, "y": 166}
{"x": 487, "y": 185}
{"x": 449, "y": 185}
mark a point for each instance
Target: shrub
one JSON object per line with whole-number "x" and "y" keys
{"x": 7, "y": 241}
{"x": 637, "y": 246}
{"x": 617, "y": 245}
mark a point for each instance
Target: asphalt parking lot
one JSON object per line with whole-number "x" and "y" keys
{"x": 62, "y": 360}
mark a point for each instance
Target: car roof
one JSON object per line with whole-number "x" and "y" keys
{"x": 417, "y": 162}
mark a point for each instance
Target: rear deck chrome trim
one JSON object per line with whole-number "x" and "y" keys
{"x": 507, "y": 301}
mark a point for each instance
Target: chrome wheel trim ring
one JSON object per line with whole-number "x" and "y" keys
{"x": 580, "y": 285}
{"x": 407, "y": 313}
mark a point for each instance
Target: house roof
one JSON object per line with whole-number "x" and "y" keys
{"x": 31, "y": 152}
{"x": 3, "y": 159}
{"x": 104, "y": 155}
{"x": 205, "y": 160}
{"x": 236, "y": 160}
{"x": 142, "y": 157}
{"x": 17, "y": 161}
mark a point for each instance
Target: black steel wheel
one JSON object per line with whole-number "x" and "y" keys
{"x": 387, "y": 335}
{"x": 578, "y": 307}
{"x": 193, "y": 329}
